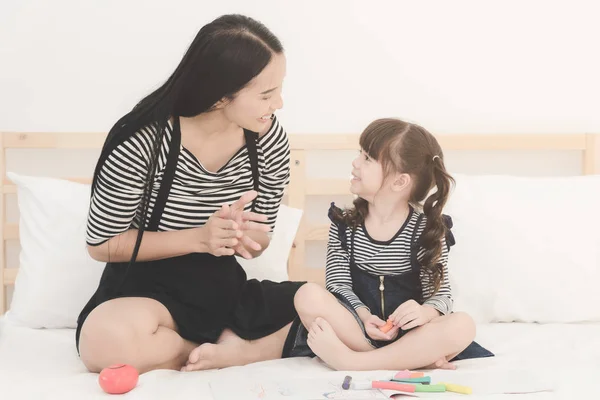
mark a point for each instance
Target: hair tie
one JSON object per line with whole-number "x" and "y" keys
{"x": 434, "y": 157}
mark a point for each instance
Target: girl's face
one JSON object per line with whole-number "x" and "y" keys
{"x": 254, "y": 105}
{"x": 367, "y": 176}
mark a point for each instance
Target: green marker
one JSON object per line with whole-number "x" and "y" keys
{"x": 430, "y": 388}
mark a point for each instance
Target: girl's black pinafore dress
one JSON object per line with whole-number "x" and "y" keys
{"x": 382, "y": 294}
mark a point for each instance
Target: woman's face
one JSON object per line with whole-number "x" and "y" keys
{"x": 254, "y": 105}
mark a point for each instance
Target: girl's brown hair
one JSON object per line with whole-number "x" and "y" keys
{"x": 408, "y": 148}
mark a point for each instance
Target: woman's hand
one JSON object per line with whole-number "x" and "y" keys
{"x": 248, "y": 223}
{"x": 411, "y": 314}
{"x": 218, "y": 235}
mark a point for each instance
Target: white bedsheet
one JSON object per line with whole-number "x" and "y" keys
{"x": 43, "y": 364}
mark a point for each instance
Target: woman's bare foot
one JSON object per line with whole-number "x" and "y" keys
{"x": 229, "y": 351}
{"x": 328, "y": 347}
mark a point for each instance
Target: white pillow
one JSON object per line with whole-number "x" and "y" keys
{"x": 57, "y": 276}
{"x": 272, "y": 263}
{"x": 527, "y": 249}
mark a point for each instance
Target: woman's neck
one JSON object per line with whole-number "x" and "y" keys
{"x": 211, "y": 123}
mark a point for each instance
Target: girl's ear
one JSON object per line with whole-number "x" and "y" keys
{"x": 401, "y": 182}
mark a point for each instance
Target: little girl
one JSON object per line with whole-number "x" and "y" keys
{"x": 387, "y": 263}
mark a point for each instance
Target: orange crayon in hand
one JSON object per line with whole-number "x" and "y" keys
{"x": 387, "y": 327}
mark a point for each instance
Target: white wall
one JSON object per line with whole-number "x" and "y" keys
{"x": 453, "y": 66}
{"x": 462, "y": 66}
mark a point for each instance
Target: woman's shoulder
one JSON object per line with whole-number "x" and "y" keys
{"x": 138, "y": 147}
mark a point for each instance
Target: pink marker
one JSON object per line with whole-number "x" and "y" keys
{"x": 402, "y": 374}
{"x": 402, "y": 387}
{"x": 406, "y": 374}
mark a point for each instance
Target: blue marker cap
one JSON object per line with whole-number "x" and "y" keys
{"x": 346, "y": 384}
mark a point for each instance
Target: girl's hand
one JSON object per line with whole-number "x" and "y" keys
{"x": 373, "y": 324}
{"x": 411, "y": 314}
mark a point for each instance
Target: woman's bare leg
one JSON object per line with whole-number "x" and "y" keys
{"x": 444, "y": 336}
{"x": 132, "y": 330}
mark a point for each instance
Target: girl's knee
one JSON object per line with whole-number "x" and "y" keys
{"x": 309, "y": 297}
{"x": 466, "y": 321}
{"x": 464, "y": 326}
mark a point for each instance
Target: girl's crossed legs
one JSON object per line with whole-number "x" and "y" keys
{"x": 336, "y": 337}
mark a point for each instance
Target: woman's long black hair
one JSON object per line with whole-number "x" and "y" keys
{"x": 224, "y": 57}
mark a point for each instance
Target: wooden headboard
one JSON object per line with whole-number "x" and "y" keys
{"x": 301, "y": 185}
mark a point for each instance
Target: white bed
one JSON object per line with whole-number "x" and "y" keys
{"x": 545, "y": 277}
{"x": 43, "y": 364}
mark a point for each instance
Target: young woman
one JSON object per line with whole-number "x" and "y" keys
{"x": 193, "y": 175}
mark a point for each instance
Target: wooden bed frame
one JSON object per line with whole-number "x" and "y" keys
{"x": 301, "y": 185}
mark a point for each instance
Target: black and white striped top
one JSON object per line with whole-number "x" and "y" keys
{"x": 195, "y": 194}
{"x": 383, "y": 258}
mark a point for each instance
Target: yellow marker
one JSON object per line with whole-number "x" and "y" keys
{"x": 450, "y": 387}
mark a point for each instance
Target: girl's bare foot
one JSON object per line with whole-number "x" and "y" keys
{"x": 442, "y": 363}
{"x": 325, "y": 343}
